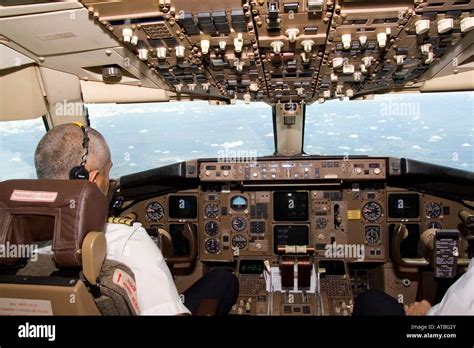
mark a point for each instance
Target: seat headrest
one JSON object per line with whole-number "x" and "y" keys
{"x": 63, "y": 211}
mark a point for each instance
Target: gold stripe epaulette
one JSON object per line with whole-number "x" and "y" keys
{"x": 121, "y": 220}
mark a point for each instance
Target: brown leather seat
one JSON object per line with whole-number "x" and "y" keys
{"x": 73, "y": 215}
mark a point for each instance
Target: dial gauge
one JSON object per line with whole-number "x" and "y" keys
{"x": 239, "y": 223}
{"x": 433, "y": 210}
{"x": 154, "y": 211}
{"x": 239, "y": 241}
{"x": 372, "y": 234}
{"x": 434, "y": 224}
{"x": 211, "y": 210}
{"x": 211, "y": 228}
{"x": 372, "y": 211}
{"x": 213, "y": 246}
{"x": 321, "y": 223}
{"x": 238, "y": 203}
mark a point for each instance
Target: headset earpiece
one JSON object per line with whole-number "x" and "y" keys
{"x": 80, "y": 172}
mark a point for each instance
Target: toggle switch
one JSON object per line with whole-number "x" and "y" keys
{"x": 205, "y": 86}
{"x": 161, "y": 52}
{"x": 399, "y": 59}
{"x": 363, "y": 40}
{"x": 346, "y": 41}
{"x": 425, "y": 48}
{"x": 222, "y": 45}
{"x": 143, "y": 54}
{"x": 191, "y": 87}
{"x": 382, "y": 39}
{"x": 179, "y": 51}
{"x": 178, "y": 87}
{"x": 357, "y": 76}
{"x": 205, "y": 44}
{"x": 307, "y": 45}
{"x": 367, "y": 61}
{"x": 277, "y": 46}
{"x": 430, "y": 58}
{"x": 238, "y": 43}
{"x": 292, "y": 34}
{"x": 127, "y": 34}
{"x": 134, "y": 40}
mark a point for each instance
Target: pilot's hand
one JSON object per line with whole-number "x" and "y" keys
{"x": 418, "y": 308}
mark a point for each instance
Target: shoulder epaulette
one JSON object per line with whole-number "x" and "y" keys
{"x": 121, "y": 220}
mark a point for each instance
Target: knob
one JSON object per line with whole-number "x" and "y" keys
{"x": 467, "y": 24}
{"x": 143, "y": 54}
{"x": 348, "y": 69}
{"x": 191, "y": 86}
{"x": 277, "y": 46}
{"x": 208, "y": 172}
{"x": 222, "y": 45}
{"x": 349, "y": 93}
{"x": 300, "y": 92}
{"x": 422, "y": 26}
{"x": 363, "y": 40}
{"x": 357, "y": 76}
{"x": 253, "y": 87}
{"x": 248, "y": 307}
{"x": 205, "y": 86}
{"x": 255, "y": 175}
{"x": 205, "y": 44}
{"x": 134, "y": 40}
{"x": 445, "y": 25}
{"x": 333, "y": 77}
{"x": 362, "y": 68}
{"x": 346, "y": 41}
{"x": 225, "y": 173}
{"x": 292, "y": 34}
{"x": 307, "y": 45}
{"x": 382, "y": 39}
{"x": 161, "y": 52}
{"x": 377, "y": 171}
{"x": 127, "y": 34}
{"x": 179, "y": 51}
{"x": 358, "y": 171}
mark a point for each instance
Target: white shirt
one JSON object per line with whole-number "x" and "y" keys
{"x": 459, "y": 299}
{"x": 132, "y": 246}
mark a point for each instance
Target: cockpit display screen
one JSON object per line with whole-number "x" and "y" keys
{"x": 251, "y": 267}
{"x": 403, "y": 205}
{"x": 183, "y": 207}
{"x": 290, "y": 235}
{"x": 290, "y": 206}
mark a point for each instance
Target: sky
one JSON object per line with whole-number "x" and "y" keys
{"x": 437, "y": 128}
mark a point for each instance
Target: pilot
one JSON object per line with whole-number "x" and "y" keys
{"x": 72, "y": 151}
{"x": 458, "y": 300}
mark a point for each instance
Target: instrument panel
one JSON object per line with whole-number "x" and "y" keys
{"x": 351, "y": 217}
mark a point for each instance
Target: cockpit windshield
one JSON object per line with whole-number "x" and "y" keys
{"x": 435, "y": 127}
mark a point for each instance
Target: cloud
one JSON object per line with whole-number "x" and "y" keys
{"x": 353, "y": 136}
{"x": 416, "y": 147}
{"x": 466, "y": 145}
{"x": 230, "y": 145}
{"x": 394, "y": 138}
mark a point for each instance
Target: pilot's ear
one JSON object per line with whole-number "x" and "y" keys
{"x": 93, "y": 175}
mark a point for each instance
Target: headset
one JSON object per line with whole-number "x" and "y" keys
{"x": 80, "y": 172}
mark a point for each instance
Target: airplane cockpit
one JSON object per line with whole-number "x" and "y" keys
{"x": 304, "y": 233}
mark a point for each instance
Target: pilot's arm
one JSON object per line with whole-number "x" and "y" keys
{"x": 156, "y": 291}
{"x": 459, "y": 299}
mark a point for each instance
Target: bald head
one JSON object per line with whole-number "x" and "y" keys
{"x": 61, "y": 149}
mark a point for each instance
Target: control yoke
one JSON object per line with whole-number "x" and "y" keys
{"x": 439, "y": 249}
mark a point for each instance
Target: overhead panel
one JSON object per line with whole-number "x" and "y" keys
{"x": 287, "y": 51}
